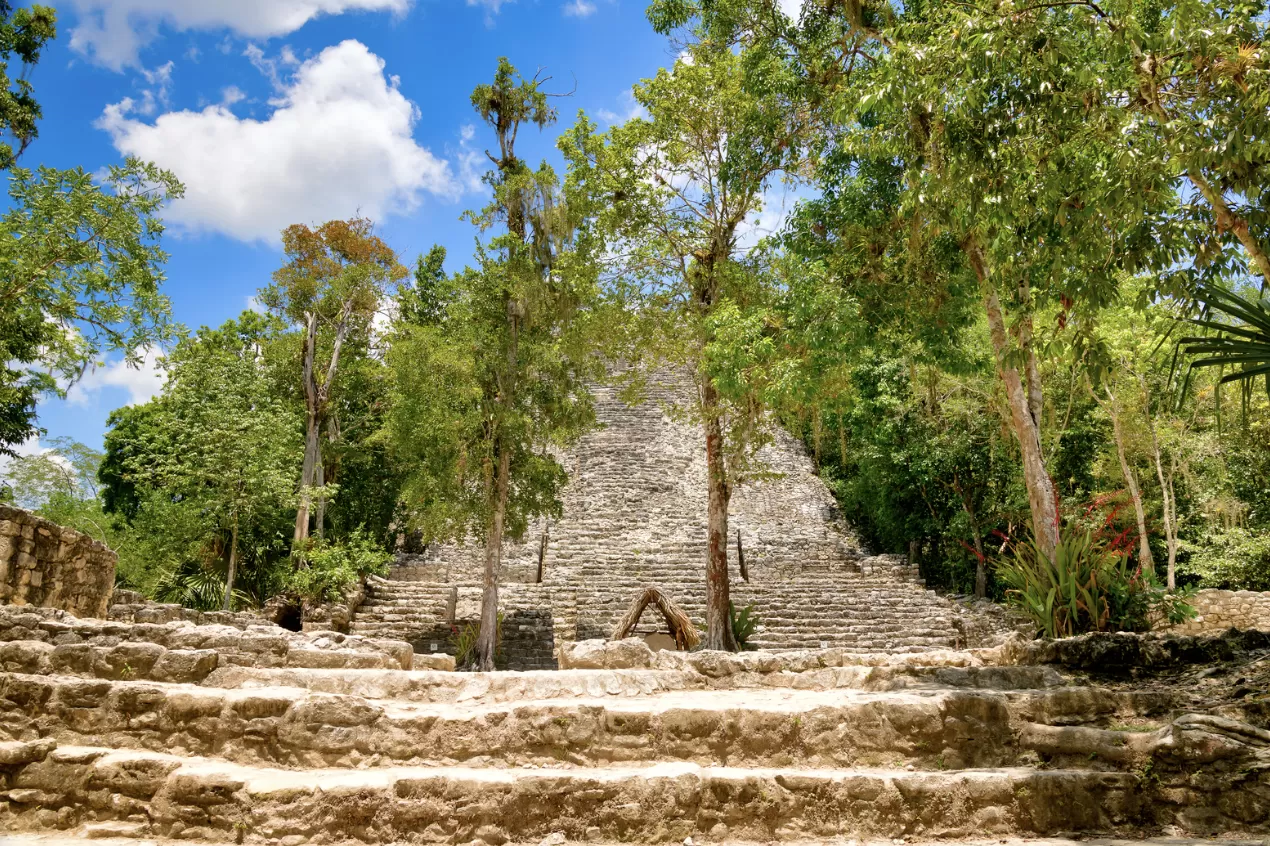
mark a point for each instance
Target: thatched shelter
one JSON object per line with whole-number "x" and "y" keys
{"x": 681, "y": 627}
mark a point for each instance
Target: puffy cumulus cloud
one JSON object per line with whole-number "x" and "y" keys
{"x": 112, "y": 32}
{"x": 142, "y": 383}
{"x": 339, "y": 142}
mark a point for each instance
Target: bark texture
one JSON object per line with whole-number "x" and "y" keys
{"x": 718, "y": 594}
{"x": 1041, "y": 496}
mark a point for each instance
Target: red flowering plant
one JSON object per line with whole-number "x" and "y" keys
{"x": 1092, "y": 583}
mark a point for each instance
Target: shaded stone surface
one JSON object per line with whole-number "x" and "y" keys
{"x": 50, "y": 566}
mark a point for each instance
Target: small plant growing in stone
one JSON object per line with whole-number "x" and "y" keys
{"x": 464, "y": 642}
{"x": 744, "y": 624}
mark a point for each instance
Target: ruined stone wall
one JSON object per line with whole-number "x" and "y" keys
{"x": 128, "y": 606}
{"x": 1219, "y": 610}
{"x": 46, "y": 640}
{"x": 51, "y": 566}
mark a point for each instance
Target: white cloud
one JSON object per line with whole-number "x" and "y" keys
{"x": 273, "y": 69}
{"x": 113, "y": 32}
{"x": 631, "y": 109}
{"x": 339, "y": 142}
{"x": 232, "y": 94}
{"x": 492, "y": 8}
{"x": 160, "y": 80}
{"x": 254, "y": 304}
{"x": 579, "y": 9}
{"x": 142, "y": 383}
{"x": 472, "y": 162}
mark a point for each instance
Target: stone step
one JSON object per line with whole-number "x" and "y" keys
{"x": 297, "y": 727}
{"x": 126, "y": 834}
{"x": 206, "y": 799}
{"x": 821, "y": 670}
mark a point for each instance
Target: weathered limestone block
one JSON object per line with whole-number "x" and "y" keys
{"x": 1219, "y": 610}
{"x": 54, "y": 641}
{"x": 50, "y": 566}
{"x": 631, "y": 653}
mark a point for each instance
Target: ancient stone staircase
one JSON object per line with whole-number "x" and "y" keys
{"x": 717, "y": 748}
{"x": 634, "y": 515}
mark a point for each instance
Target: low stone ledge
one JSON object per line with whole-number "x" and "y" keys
{"x": 633, "y": 653}
{"x": 1123, "y": 652}
{"x": 113, "y": 649}
{"x": 128, "y": 606}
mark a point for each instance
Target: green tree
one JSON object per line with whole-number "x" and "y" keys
{"x": 425, "y": 301}
{"x": 676, "y": 190}
{"x": 80, "y": 261}
{"x": 219, "y": 439}
{"x": 24, "y": 32}
{"x": 487, "y": 390}
{"x": 331, "y": 286}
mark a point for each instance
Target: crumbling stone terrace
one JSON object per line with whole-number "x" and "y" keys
{"x": 310, "y": 738}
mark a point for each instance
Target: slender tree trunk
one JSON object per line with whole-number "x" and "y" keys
{"x": 319, "y": 481}
{"x": 1166, "y": 493}
{"x": 312, "y": 424}
{"x": 1041, "y": 496}
{"x": 1131, "y": 480}
{"x": 1035, "y": 400}
{"x": 308, "y": 475}
{"x": 981, "y": 568}
{"x": 542, "y": 550}
{"x": 487, "y": 640}
{"x": 233, "y": 565}
{"x": 718, "y": 599}
{"x": 316, "y": 397}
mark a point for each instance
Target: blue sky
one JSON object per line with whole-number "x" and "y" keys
{"x": 299, "y": 111}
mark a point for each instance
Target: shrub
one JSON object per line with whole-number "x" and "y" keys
{"x": 744, "y": 624}
{"x": 1231, "y": 559}
{"x": 464, "y": 642}
{"x": 330, "y": 569}
{"x": 1090, "y": 585}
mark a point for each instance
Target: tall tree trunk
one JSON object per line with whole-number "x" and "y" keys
{"x": 1035, "y": 400}
{"x": 718, "y": 599}
{"x": 308, "y": 478}
{"x": 981, "y": 568}
{"x": 312, "y": 425}
{"x": 1131, "y": 480}
{"x": 316, "y": 397}
{"x": 233, "y": 564}
{"x": 487, "y": 639}
{"x": 1041, "y": 496}
{"x": 1170, "y": 523}
{"x": 319, "y": 481}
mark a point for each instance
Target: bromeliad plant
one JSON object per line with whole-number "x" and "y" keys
{"x": 1091, "y": 584}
